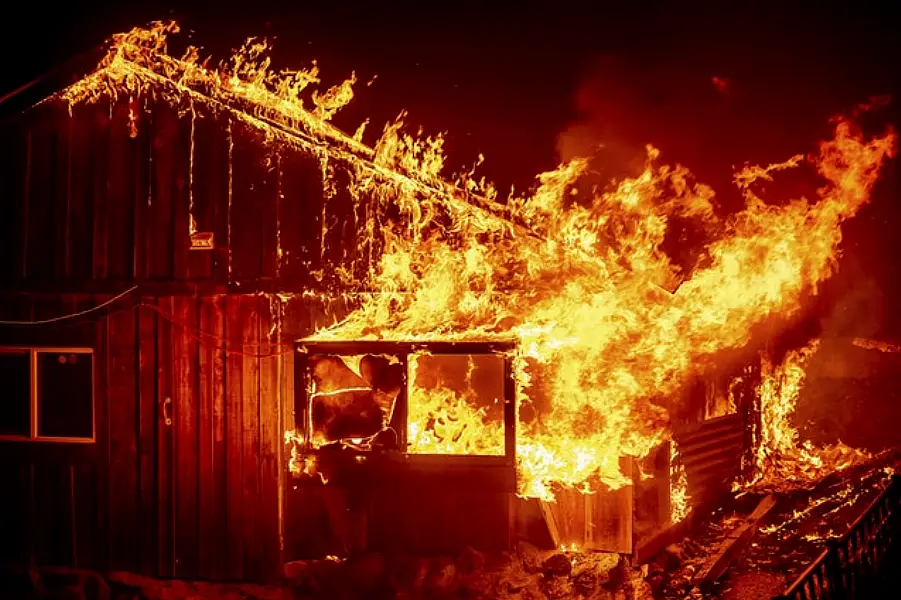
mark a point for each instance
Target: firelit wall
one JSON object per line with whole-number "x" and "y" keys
{"x": 181, "y": 470}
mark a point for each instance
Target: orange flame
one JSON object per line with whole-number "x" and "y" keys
{"x": 600, "y": 346}
{"x": 679, "y": 499}
{"x": 782, "y": 460}
{"x": 449, "y": 420}
{"x": 579, "y": 278}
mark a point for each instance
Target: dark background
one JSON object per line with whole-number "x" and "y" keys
{"x": 527, "y": 84}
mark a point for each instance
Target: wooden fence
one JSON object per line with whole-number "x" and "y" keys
{"x": 859, "y": 563}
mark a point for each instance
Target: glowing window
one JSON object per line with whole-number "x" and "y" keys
{"x": 456, "y": 404}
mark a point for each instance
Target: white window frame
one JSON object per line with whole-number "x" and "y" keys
{"x": 34, "y": 383}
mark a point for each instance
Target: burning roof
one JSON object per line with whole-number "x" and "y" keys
{"x": 603, "y": 352}
{"x": 137, "y": 64}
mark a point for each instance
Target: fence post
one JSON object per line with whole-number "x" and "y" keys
{"x": 834, "y": 571}
{"x": 890, "y": 559}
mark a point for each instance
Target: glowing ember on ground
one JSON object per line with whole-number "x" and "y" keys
{"x": 574, "y": 275}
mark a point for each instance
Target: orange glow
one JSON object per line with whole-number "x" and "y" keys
{"x": 609, "y": 329}
{"x": 446, "y": 418}
{"x": 679, "y": 500}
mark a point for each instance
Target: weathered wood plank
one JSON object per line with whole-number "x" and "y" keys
{"x": 248, "y": 203}
{"x": 53, "y": 494}
{"x": 234, "y": 438}
{"x": 368, "y": 237}
{"x": 270, "y": 437}
{"x": 16, "y": 155}
{"x": 148, "y": 400}
{"x": 11, "y": 201}
{"x": 53, "y": 533}
{"x": 62, "y": 188}
{"x": 250, "y": 391}
{"x": 123, "y": 444}
{"x": 101, "y": 423}
{"x": 300, "y": 214}
{"x": 81, "y": 196}
{"x": 340, "y": 234}
{"x": 270, "y": 223}
{"x": 41, "y": 224}
{"x": 608, "y": 521}
{"x": 99, "y": 215}
{"x": 206, "y": 500}
{"x": 211, "y": 455}
{"x": 15, "y": 526}
{"x": 142, "y": 165}
{"x": 647, "y": 549}
{"x": 209, "y": 192}
{"x": 181, "y": 194}
{"x": 550, "y": 520}
{"x": 165, "y": 516}
{"x": 120, "y": 193}
{"x": 222, "y": 203}
{"x": 160, "y": 235}
{"x": 185, "y": 434}
{"x": 87, "y": 538}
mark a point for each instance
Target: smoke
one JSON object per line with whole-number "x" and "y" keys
{"x": 625, "y": 104}
{"x": 857, "y": 311}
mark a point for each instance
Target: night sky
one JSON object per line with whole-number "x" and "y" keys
{"x": 538, "y": 81}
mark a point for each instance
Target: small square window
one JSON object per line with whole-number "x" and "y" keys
{"x": 65, "y": 395}
{"x": 15, "y": 399}
{"x": 456, "y": 404}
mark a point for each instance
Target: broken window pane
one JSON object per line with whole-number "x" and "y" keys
{"x": 456, "y": 404}
{"x": 353, "y": 397}
{"x": 15, "y": 399}
{"x": 65, "y": 395}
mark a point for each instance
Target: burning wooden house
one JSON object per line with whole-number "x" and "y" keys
{"x": 214, "y": 302}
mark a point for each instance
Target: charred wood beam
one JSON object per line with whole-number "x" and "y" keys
{"x": 648, "y": 549}
{"x": 732, "y": 546}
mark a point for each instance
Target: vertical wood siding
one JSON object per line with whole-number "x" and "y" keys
{"x": 104, "y": 194}
{"x": 198, "y": 498}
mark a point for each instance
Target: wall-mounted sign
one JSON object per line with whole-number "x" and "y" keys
{"x": 202, "y": 240}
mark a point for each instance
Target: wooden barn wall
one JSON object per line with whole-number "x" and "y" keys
{"x": 103, "y": 194}
{"x": 198, "y": 497}
{"x": 712, "y": 452}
